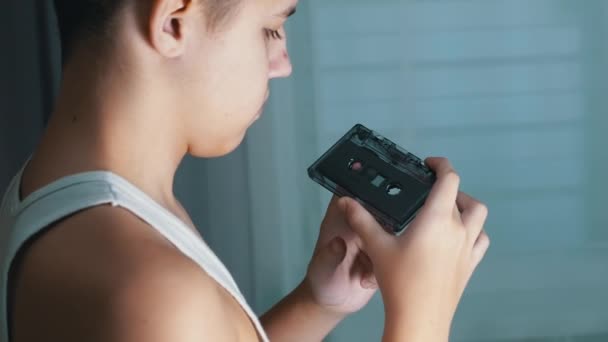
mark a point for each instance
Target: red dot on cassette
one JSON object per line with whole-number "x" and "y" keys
{"x": 356, "y": 166}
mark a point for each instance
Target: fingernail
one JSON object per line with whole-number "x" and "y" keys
{"x": 368, "y": 284}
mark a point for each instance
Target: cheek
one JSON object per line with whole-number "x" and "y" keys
{"x": 234, "y": 81}
{"x": 252, "y": 75}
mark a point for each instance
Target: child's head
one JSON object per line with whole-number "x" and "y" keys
{"x": 211, "y": 59}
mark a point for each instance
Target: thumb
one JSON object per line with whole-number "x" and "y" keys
{"x": 363, "y": 224}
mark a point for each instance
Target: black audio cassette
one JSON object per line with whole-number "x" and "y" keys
{"x": 390, "y": 182}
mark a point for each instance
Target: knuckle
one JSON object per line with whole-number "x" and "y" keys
{"x": 357, "y": 218}
{"x": 360, "y": 219}
{"x": 484, "y": 239}
{"x": 353, "y": 217}
{"x": 444, "y": 162}
{"x": 482, "y": 209}
{"x": 452, "y": 177}
{"x": 481, "y": 248}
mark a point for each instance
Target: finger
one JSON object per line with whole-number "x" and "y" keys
{"x": 456, "y": 213}
{"x": 368, "y": 281}
{"x": 328, "y": 259}
{"x": 445, "y": 190}
{"x": 473, "y": 213}
{"x": 364, "y": 224}
{"x": 366, "y": 263}
{"x": 482, "y": 244}
{"x": 333, "y": 203}
{"x": 334, "y": 200}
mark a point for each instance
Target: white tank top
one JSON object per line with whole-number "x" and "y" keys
{"x": 20, "y": 220}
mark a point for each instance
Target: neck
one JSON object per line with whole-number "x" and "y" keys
{"x": 105, "y": 120}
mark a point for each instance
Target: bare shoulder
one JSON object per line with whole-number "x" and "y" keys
{"x": 104, "y": 275}
{"x": 167, "y": 302}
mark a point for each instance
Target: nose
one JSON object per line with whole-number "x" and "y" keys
{"x": 280, "y": 65}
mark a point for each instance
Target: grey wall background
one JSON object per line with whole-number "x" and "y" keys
{"x": 514, "y": 93}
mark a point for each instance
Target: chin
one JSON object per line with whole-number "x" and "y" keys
{"x": 219, "y": 150}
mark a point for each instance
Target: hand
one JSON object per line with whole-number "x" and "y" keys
{"x": 340, "y": 275}
{"x": 422, "y": 274}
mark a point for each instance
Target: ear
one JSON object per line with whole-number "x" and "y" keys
{"x": 169, "y": 25}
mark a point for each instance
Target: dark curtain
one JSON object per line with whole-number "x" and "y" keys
{"x": 29, "y": 71}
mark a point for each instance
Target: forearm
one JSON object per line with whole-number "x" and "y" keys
{"x": 297, "y": 318}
